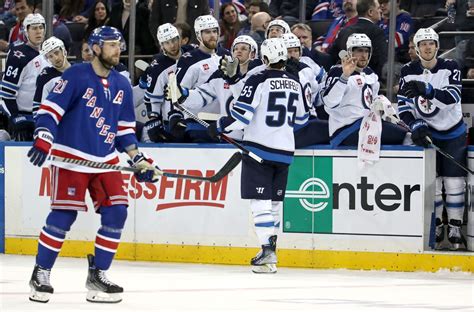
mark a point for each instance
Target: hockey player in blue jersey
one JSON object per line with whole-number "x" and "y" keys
{"x": 348, "y": 92}
{"x": 54, "y": 51}
{"x": 193, "y": 69}
{"x": 269, "y": 106}
{"x": 89, "y": 115}
{"x": 23, "y": 65}
{"x": 157, "y": 79}
{"x": 316, "y": 130}
{"x": 429, "y": 102}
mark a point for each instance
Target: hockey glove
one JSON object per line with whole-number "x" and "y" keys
{"x": 216, "y": 128}
{"x": 41, "y": 146}
{"x": 416, "y": 88}
{"x": 292, "y": 66}
{"x": 181, "y": 93}
{"x": 177, "y": 124}
{"x": 22, "y": 128}
{"x": 148, "y": 171}
{"x": 230, "y": 68}
{"x": 420, "y": 133}
{"x": 155, "y": 130}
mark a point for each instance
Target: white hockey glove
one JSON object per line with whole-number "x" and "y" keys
{"x": 149, "y": 172}
{"x": 230, "y": 67}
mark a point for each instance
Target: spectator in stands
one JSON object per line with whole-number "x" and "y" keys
{"x": 120, "y": 17}
{"x": 17, "y": 33}
{"x": 303, "y": 32}
{"x": 176, "y": 11}
{"x": 289, "y": 11}
{"x": 185, "y": 33}
{"x": 367, "y": 23}
{"x": 253, "y": 8}
{"x": 229, "y": 24}
{"x": 70, "y": 11}
{"x": 349, "y": 17}
{"x": 422, "y": 8}
{"x": 411, "y": 49}
{"x": 404, "y": 28}
{"x": 98, "y": 16}
{"x": 327, "y": 9}
{"x": 259, "y": 24}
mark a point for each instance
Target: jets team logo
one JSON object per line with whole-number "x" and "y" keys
{"x": 307, "y": 93}
{"x": 425, "y": 107}
{"x": 367, "y": 96}
{"x": 313, "y": 194}
{"x": 18, "y": 54}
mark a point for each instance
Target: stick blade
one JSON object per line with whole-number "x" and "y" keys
{"x": 227, "y": 168}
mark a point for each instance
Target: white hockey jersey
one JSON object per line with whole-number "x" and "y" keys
{"x": 443, "y": 113}
{"x": 348, "y": 101}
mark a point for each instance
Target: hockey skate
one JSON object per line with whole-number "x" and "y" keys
{"x": 101, "y": 290}
{"x": 455, "y": 237}
{"x": 439, "y": 232}
{"x": 266, "y": 259}
{"x": 41, "y": 289}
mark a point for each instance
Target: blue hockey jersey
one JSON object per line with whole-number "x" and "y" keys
{"x": 44, "y": 84}
{"x": 90, "y": 117}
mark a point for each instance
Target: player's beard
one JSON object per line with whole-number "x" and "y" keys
{"x": 210, "y": 44}
{"x": 108, "y": 62}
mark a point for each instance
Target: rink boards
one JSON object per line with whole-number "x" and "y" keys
{"x": 337, "y": 214}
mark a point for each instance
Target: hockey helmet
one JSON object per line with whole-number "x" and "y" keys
{"x": 33, "y": 19}
{"x": 248, "y": 40}
{"x": 291, "y": 41}
{"x": 204, "y": 22}
{"x": 425, "y": 34}
{"x": 166, "y": 32}
{"x": 105, "y": 33}
{"x": 277, "y": 22}
{"x": 51, "y": 44}
{"x": 274, "y": 50}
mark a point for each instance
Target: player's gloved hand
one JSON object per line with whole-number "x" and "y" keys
{"x": 177, "y": 124}
{"x": 154, "y": 129}
{"x": 217, "y": 128}
{"x": 41, "y": 146}
{"x": 22, "y": 128}
{"x": 181, "y": 93}
{"x": 149, "y": 172}
{"x": 230, "y": 68}
{"x": 420, "y": 133}
{"x": 292, "y": 66}
{"x": 416, "y": 88}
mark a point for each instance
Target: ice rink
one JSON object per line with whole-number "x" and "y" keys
{"x": 153, "y": 286}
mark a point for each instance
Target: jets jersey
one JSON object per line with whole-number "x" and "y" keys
{"x": 156, "y": 81}
{"x": 348, "y": 101}
{"x": 195, "y": 67}
{"x": 310, "y": 83}
{"x": 443, "y": 113}
{"x": 308, "y": 59}
{"x": 18, "y": 85}
{"x": 269, "y": 106}
{"x": 44, "y": 84}
{"x": 89, "y": 117}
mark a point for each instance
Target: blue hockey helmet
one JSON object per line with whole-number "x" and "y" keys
{"x": 105, "y": 33}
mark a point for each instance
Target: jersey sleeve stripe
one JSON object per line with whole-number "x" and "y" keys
{"x": 125, "y": 131}
{"x": 151, "y": 96}
{"x": 47, "y": 110}
{"x": 6, "y": 95}
{"x": 126, "y": 124}
{"x": 405, "y": 99}
{"x": 239, "y": 117}
{"x": 58, "y": 109}
{"x": 9, "y": 85}
{"x": 245, "y": 107}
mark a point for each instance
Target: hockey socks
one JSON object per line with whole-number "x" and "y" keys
{"x": 108, "y": 236}
{"x": 52, "y": 236}
{"x": 263, "y": 219}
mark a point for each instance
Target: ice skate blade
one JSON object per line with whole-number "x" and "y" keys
{"x": 264, "y": 268}
{"x": 42, "y": 297}
{"x": 456, "y": 247}
{"x": 96, "y": 296}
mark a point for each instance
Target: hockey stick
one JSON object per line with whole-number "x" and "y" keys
{"x": 174, "y": 100}
{"x": 225, "y": 170}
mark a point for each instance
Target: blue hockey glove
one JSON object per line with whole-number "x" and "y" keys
{"x": 41, "y": 146}
{"x": 416, "y": 88}
{"x": 420, "y": 133}
{"x": 149, "y": 171}
{"x": 22, "y": 128}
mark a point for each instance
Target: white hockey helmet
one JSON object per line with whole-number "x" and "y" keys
{"x": 204, "y": 22}
{"x": 274, "y": 50}
{"x": 51, "y": 44}
{"x": 32, "y": 19}
{"x": 248, "y": 40}
{"x": 425, "y": 34}
{"x": 277, "y": 22}
{"x": 291, "y": 41}
{"x": 359, "y": 41}
{"x": 166, "y": 32}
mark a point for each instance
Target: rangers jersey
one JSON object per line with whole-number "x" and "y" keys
{"x": 443, "y": 113}
{"x": 44, "y": 84}
{"x": 18, "y": 85}
{"x": 269, "y": 106}
{"x": 348, "y": 101}
{"x": 89, "y": 117}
